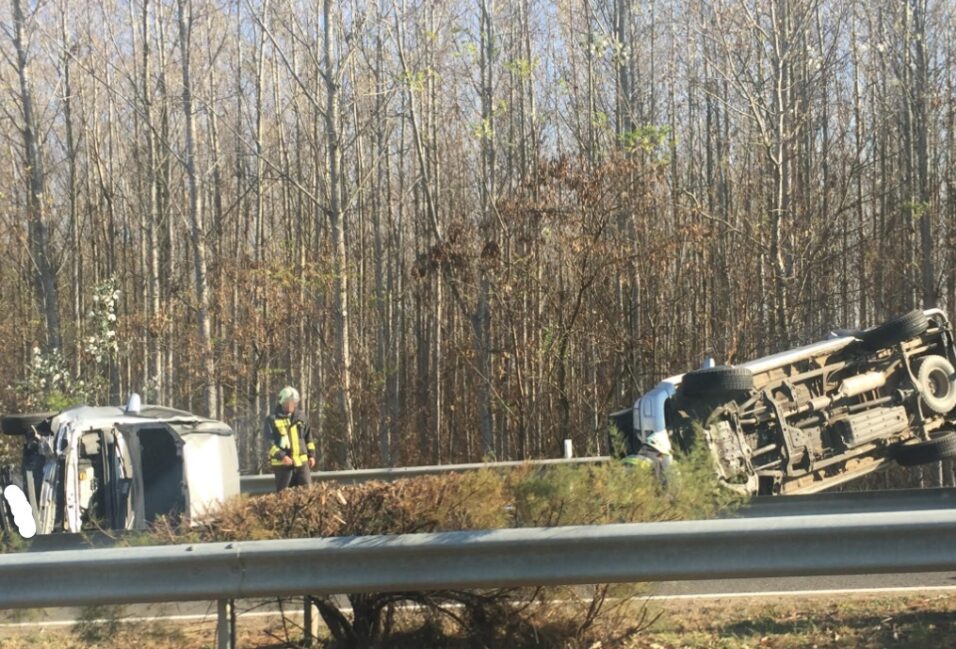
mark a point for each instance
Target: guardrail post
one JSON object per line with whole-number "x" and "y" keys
{"x": 310, "y": 622}
{"x": 225, "y": 624}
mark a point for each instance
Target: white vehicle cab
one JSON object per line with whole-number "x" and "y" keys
{"x": 809, "y": 418}
{"x": 117, "y": 468}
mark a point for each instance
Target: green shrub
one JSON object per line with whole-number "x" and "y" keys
{"x": 527, "y": 496}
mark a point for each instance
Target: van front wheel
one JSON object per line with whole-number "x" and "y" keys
{"x": 941, "y": 446}
{"x": 720, "y": 380}
{"x": 936, "y": 381}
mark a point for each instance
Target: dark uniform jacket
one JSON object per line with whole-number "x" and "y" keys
{"x": 291, "y": 437}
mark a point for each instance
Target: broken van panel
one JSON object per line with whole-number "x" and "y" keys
{"x": 813, "y": 417}
{"x": 114, "y": 468}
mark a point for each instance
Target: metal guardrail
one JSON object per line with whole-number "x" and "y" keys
{"x": 729, "y": 548}
{"x": 850, "y": 502}
{"x": 262, "y": 484}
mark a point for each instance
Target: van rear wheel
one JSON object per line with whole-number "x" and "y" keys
{"x": 893, "y": 332}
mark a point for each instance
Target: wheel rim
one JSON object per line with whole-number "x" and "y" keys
{"x": 938, "y": 383}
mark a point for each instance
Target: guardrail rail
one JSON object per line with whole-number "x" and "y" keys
{"x": 834, "y": 544}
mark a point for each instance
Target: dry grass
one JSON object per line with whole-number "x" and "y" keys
{"x": 866, "y": 621}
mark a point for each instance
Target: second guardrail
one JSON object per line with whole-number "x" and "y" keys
{"x": 265, "y": 483}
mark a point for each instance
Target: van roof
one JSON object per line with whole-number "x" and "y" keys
{"x": 101, "y": 416}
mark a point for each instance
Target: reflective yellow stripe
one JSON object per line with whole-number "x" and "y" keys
{"x": 291, "y": 433}
{"x": 296, "y": 454}
{"x": 274, "y": 456}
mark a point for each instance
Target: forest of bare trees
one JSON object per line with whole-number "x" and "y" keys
{"x": 462, "y": 228}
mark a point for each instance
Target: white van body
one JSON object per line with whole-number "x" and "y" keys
{"x": 818, "y": 415}
{"x": 92, "y": 466}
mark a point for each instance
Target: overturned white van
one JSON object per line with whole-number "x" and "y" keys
{"x": 88, "y": 468}
{"x": 807, "y": 419}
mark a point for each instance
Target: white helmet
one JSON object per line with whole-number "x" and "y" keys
{"x": 288, "y": 393}
{"x": 660, "y": 442}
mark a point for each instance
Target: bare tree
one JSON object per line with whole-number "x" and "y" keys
{"x": 184, "y": 16}
{"x": 465, "y": 228}
{"x": 40, "y": 245}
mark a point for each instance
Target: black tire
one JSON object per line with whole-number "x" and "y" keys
{"x": 893, "y": 332}
{"x": 721, "y": 380}
{"x": 21, "y": 424}
{"x": 936, "y": 382}
{"x": 942, "y": 446}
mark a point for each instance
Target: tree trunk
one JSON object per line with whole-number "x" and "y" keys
{"x": 208, "y": 362}
{"x": 336, "y": 221}
{"x": 39, "y": 240}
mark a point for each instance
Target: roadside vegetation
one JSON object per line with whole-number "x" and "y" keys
{"x": 525, "y": 497}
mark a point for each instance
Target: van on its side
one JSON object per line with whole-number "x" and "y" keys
{"x": 807, "y": 419}
{"x": 117, "y": 468}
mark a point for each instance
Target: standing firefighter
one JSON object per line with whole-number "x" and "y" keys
{"x": 292, "y": 454}
{"x": 656, "y": 453}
